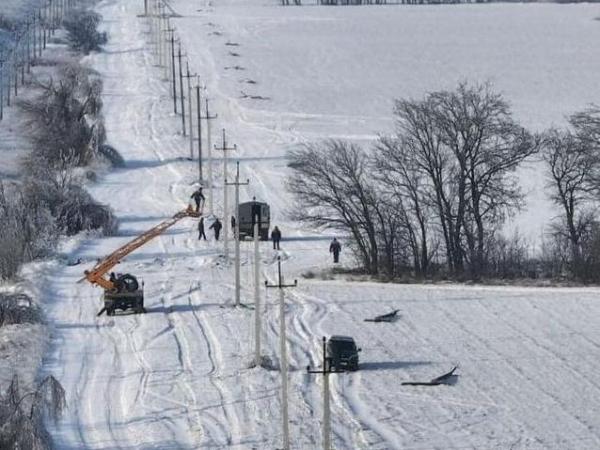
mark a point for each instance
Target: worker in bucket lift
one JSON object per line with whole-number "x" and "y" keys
{"x": 198, "y": 197}
{"x": 217, "y": 225}
{"x": 118, "y": 285}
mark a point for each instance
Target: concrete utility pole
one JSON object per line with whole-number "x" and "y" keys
{"x": 257, "y": 327}
{"x": 40, "y": 44}
{"x": 28, "y": 35}
{"x": 225, "y": 149}
{"x": 166, "y": 43}
{"x": 190, "y": 111}
{"x": 236, "y": 231}
{"x": 1, "y": 88}
{"x": 283, "y": 350}
{"x": 44, "y": 22}
{"x": 181, "y": 94}
{"x": 8, "y": 80}
{"x": 199, "y": 125}
{"x": 208, "y": 118}
{"x": 172, "y": 39}
{"x": 33, "y": 37}
{"x": 326, "y": 395}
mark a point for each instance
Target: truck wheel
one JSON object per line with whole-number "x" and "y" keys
{"x": 110, "y": 312}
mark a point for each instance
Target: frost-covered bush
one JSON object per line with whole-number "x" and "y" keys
{"x": 78, "y": 211}
{"x": 22, "y": 414}
{"x": 63, "y": 121}
{"x": 112, "y": 155}
{"x": 82, "y": 31}
{"x": 18, "y": 308}
{"x": 71, "y": 206}
{"x": 27, "y": 230}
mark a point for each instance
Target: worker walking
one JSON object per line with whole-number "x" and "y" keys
{"x": 201, "y": 234}
{"x": 198, "y": 197}
{"x": 335, "y": 248}
{"x": 276, "y": 237}
{"x": 217, "y": 225}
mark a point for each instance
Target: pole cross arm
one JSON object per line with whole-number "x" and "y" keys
{"x": 280, "y": 286}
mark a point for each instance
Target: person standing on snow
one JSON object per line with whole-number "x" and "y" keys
{"x": 276, "y": 237}
{"x": 198, "y": 197}
{"x": 201, "y": 229}
{"x": 233, "y": 225}
{"x": 335, "y": 248}
{"x": 217, "y": 225}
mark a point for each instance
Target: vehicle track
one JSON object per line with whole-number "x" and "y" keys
{"x": 519, "y": 372}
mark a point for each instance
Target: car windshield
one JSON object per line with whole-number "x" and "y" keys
{"x": 343, "y": 346}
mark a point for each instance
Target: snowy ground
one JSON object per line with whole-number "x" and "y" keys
{"x": 177, "y": 376}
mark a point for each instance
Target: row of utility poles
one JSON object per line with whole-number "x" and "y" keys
{"x": 170, "y": 58}
{"x": 186, "y": 95}
{"x": 25, "y": 45}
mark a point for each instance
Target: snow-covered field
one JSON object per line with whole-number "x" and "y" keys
{"x": 177, "y": 376}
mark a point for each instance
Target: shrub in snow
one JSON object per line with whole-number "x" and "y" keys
{"x": 22, "y": 414}
{"x": 112, "y": 155}
{"x": 78, "y": 211}
{"x": 82, "y": 31}
{"x": 18, "y": 308}
{"x": 6, "y": 23}
{"x": 72, "y": 207}
{"x": 27, "y": 230}
{"x": 64, "y": 121}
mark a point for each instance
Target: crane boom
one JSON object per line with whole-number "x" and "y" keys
{"x": 96, "y": 275}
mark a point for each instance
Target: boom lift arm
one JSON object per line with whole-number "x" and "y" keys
{"x": 96, "y": 275}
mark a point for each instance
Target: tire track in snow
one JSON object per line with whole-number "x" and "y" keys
{"x": 565, "y": 363}
{"x": 233, "y": 436}
{"x": 518, "y": 371}
{"x": 307, "y": 325}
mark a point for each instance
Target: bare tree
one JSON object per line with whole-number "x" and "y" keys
{"x": 572, "y": 167}
{"x": 330, "y": 181}
{"x": 468, "y": 145}
{"x": 587, "y": 125}
{"x": 82, "y": 30}
{"x": 405, "y": 184}
{"x": 22, "y": 414}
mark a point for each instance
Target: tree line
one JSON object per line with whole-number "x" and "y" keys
{"x": 431, "y": 199}
{"x": 64, "y": 124}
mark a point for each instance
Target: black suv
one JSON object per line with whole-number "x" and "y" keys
{"x": 343, "y": 353}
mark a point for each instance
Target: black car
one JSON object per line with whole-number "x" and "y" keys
{"x": 343, "y": 353}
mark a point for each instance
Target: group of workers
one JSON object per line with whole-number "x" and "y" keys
{"x": 335, "y": 247}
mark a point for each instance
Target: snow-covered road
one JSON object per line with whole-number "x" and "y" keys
{"x": 177, "y": 377}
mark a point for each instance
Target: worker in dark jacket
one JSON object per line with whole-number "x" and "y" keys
{"x": 276, "y": 237}
{"x": 233, "y": 225}
{"x": 335, "y": 248}
{"x": 201, "y": 234}
{"x": 217, "y": 225}
{"x": 198, "y": 197}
